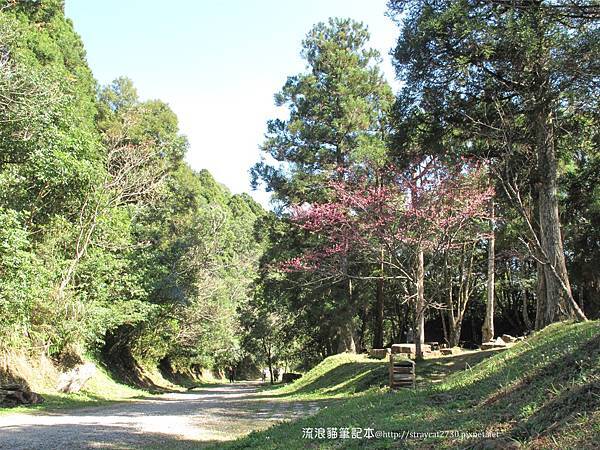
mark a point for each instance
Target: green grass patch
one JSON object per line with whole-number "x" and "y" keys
{"x": 541, "y": 393}
{"x": 335, "y": 377}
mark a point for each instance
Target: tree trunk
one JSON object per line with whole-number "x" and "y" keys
{"x": 525, "y": 311}
{"x": 267, "y": 349}
{"x": 454, "y": 333}
{"x": 554, "y": 267}
{"x": 364, "y": 319}
{"x": 346, "y": 342}
{"x": 271, "y": 371}
{"x": 420, "y": 305}
{"x": 345, "y": 332}
{"x": 444, "y": 327}
{"x": 540, "y": 305}
{"x": 86, "y": 231}
{"x": 378, "y": 316}
{"x": 85, "y": 237}
{"x": 68, "y": 276}
{"x": 487, "y": 330}
{"x": 379, "y": 308}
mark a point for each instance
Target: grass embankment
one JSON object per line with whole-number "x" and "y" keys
{"x": 541, "y": 393}
{"x": 41, "y": 376}
{"x": 338, "y": 376}
{"x": 101, "y": 389}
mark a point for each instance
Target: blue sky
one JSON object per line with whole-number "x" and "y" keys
{"x": 216, "y": 63}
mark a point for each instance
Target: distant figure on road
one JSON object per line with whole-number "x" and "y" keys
{"x": 231, "y": 372}
{"x": 264, "y": 375}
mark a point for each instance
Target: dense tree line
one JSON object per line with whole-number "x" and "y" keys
{"x": 109, "y": 242}
{"x": 463, "y": 208}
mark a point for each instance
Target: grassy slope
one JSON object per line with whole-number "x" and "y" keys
{"x": 41, "y": 376}
{"x": 337, "y": 377}
{"x": 542, "y": 393}
{"x": 100, "y": 389}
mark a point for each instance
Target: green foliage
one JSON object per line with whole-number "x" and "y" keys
{"x": 337, "y": 109}
{"x": 105, "y": 233}
{"x": 197, "y": 268}
{"x": 50, "y": 155}
{"x": 23, "y": 280}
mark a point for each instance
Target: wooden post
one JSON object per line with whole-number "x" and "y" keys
{"x": 402, "y": 372}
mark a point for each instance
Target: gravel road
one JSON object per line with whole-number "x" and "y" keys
{"x": 176, "y": 420}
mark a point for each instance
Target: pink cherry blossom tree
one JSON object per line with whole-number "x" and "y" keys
{"x": 393, "y": 219}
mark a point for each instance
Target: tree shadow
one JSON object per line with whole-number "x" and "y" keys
{"x": 93, "y": 436}
{"x": 435, "y": 370}
{"x": 119, "y": 362}
{"x": 556, "y": 414}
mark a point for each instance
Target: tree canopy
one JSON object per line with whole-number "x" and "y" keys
{"x": 460, "y": 207}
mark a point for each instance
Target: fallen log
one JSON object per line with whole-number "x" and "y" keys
{"x": 13, "y": 394}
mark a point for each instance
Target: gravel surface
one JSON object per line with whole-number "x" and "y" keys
{"x": 176, "y": 420}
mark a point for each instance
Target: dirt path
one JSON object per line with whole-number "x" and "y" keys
{"x": 178, "y": 420}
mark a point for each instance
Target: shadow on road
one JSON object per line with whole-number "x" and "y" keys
{"x": 175, "y": 420}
